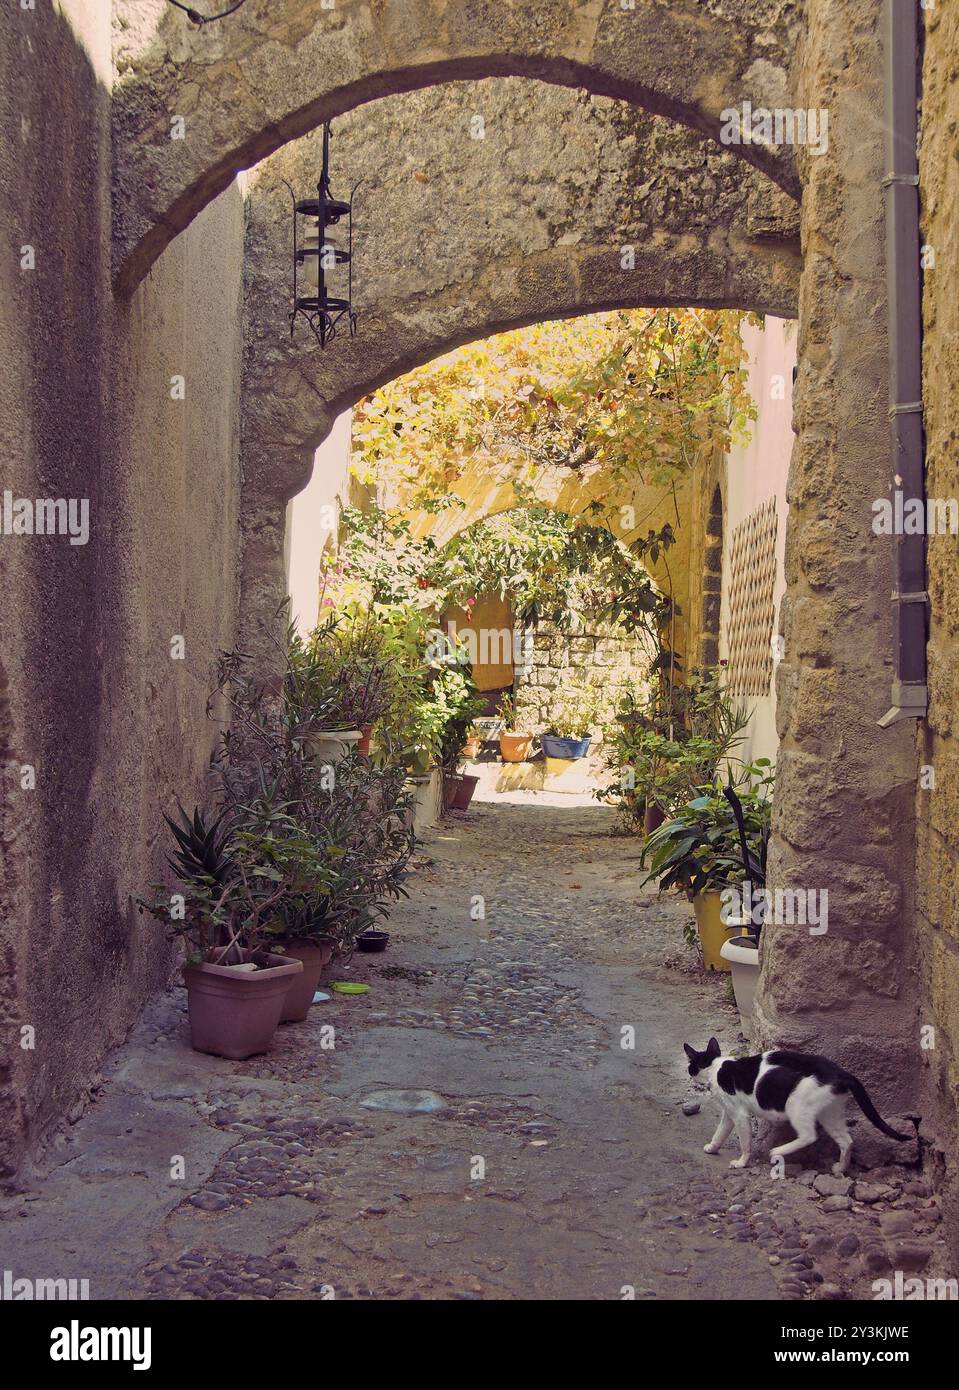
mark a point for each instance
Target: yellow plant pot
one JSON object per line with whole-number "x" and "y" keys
{"x": 712, "y": 932}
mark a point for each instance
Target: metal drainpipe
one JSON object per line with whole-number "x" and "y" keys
{"x": 904, "y": 290}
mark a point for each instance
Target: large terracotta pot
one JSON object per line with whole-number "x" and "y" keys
{"x": 515, "y": 747}
{"x": 366, "y": 733}
{"x": 316, "y": 956}
{"x": 234, "y": 1013}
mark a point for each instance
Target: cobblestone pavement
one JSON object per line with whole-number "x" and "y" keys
{"x": 560, "y": 1165}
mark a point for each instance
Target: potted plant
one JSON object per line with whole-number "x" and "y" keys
{"x": 513, "y": 746}
{"x": 698, "y": 852}
{"x": 456, "y": 697}
{"x": 335, "y": 842}
{"x": 236, "y": 987}
{"x": 742, "y": 951}
{"x": 668, "y": 746}
{"x": 572, "y": 714}
{"x": 339, "y": 675}
{"x": 471, "y": 748}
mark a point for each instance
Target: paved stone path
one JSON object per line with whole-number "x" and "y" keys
{"x": 560, "y": 1165}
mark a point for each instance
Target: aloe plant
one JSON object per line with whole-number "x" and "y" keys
{"x": 203, "y": 848}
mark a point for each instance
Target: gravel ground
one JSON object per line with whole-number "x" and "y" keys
{"x": 524, "y": 1152}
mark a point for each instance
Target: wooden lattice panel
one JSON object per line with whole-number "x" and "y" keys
{"x": 751, "y": 589}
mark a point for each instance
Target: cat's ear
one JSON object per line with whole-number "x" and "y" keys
{"x": 690, "y": 1052}
{"x": 712, "y": 1048}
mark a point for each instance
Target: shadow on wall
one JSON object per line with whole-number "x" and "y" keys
{"x": 101, "y": 727}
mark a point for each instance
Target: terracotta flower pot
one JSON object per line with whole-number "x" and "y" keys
{"x": 464, "y": 792}
{"x": 451, "y": 787}
{"x": 234, "y": 1013}
{"x": 515, "y": 747}
{"x": 363, "y": 746}
{"x": 316, "y": 956}
{"x": 471, "y": 748}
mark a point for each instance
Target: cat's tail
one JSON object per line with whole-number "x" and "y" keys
{"x": 861, "y": 1096}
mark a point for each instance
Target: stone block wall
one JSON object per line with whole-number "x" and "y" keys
{"x": 556, "y": 662}
{"x": 843, "y": 819}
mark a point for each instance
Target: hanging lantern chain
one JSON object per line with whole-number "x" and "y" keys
{"x": 196, "y": 18}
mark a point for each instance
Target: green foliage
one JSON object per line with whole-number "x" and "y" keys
{"x": 339, "y": 672}
{"x": 667, "y": 746}
{"x": 555, "y": 568}
{"x": 575, "y": 710}
{"x": 296, "y": 848}
{"x": 380, "y": 562}
{"x": 640, "y": 394}
{"x": 699, "y": 847}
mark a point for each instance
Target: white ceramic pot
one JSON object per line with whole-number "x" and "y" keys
{"x": 333, "y": 747}
{"x": 744, "y": 961}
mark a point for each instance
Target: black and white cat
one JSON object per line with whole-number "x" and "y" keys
{"x": 793, "y": 1086}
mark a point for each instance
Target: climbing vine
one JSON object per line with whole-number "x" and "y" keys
{"x": 636, "y": 396}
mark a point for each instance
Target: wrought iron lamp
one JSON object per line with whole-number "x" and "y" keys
{"x": 323, "y": 258}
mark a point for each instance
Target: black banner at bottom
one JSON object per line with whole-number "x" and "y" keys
{"x": 169, "y": 1339}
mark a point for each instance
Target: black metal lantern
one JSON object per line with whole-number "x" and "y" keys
{"x": 323, "y": 258}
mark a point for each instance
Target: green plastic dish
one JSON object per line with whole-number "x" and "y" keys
{"x": 349, "y": 987}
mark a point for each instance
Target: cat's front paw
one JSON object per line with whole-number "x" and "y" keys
{"x": 710, "y": 1148}
{"x": 739, "y": 1162}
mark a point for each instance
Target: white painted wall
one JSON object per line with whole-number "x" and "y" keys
{"x": 753, "y": 474}
{"x": 312, "y": 517}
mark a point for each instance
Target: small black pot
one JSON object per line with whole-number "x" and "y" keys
{"x": 373, "y": 941}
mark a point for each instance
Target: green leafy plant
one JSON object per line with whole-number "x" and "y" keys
{"x": 339, "y": 672}
{"x": 664, "y": 749}
{"x": 701, "y": 846}
{"x": 506, "y": 710}
{"x": 296, "y": 848}
{"x": 575, "y": 711}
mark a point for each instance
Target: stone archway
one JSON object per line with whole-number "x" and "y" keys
{"x": 193, "y": 108}
{"x": 523, "y": 240}
{"x": 843, "y": 818}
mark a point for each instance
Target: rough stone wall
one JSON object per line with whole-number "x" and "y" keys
{"x": 591, "y": 653}
{"x": 845, "y": 789}
{"x": 523, "y": 238}
{"x": 938, "y": 804}
{"x": 274, "y": 71}
{"x": 91, "y": 699}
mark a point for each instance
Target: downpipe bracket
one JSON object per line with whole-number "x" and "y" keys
{"x": 910, "y": 701}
